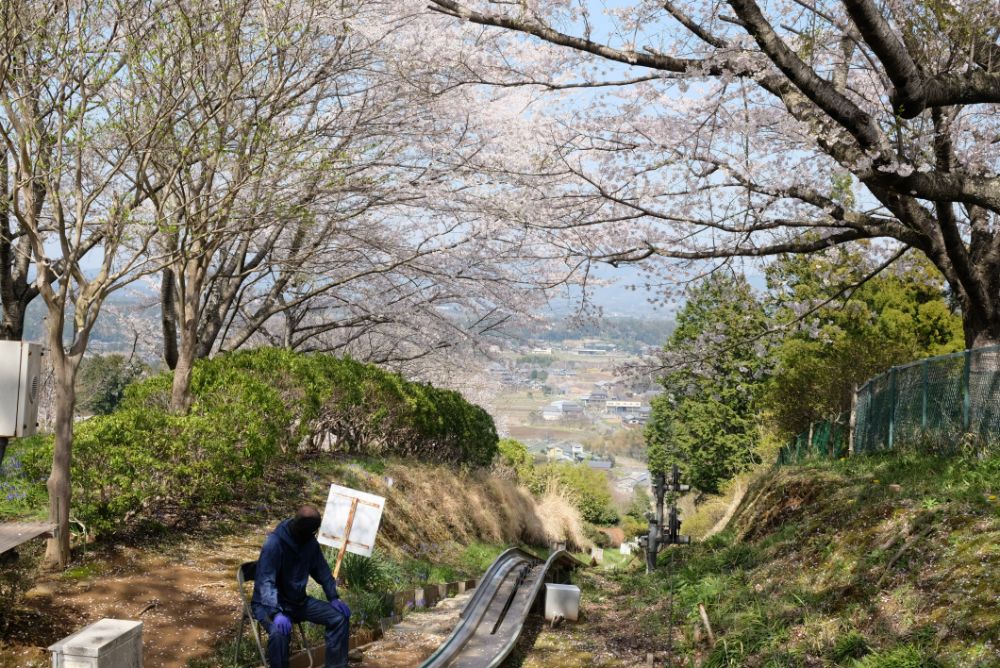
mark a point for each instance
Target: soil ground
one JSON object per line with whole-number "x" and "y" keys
{"x": 408, "y": 644}
{"x": 185, "y": 596}
{"x": 605, "y": 636}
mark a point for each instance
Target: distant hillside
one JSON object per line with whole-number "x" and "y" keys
{"x": 629, "y": 334}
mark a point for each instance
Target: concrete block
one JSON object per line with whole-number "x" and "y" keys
{"x": 432, "y": 594}
{"x": 108, "y": 643}
{"x": 562, "y": 601}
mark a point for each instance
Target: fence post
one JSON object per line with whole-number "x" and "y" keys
{"x": 966, "y": 398}
{"x": 852, "y": 423}
{"x": 809, "y": 442}
{"x": 892, "y": 405}
{"x": 923, "y": 403}
{"x": 832, "y": 422}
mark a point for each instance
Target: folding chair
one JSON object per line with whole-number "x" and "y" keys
{"x": 247, "y": 572}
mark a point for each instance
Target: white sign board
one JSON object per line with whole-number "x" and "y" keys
{"x": 360, "y": 510}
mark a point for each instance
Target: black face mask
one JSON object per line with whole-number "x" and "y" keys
{"x": 303, "y": 528}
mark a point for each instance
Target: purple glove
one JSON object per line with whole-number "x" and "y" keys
{"x": 341, "y": 607}
{"x": 282, "y": 625}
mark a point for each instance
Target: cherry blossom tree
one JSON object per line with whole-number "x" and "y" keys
{"x": 61, "y": 117}
{"x": 310, "y": 184}
{"x": 711, "y": 131}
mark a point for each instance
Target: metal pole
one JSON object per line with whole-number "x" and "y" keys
{"x": 655, "y": 523}
{"x": 831, "y": 423}
{"x": 853, "y": 421}
{"x": 923, "y": 403}
{"x": 892, "y": 405}
{"x": 966, "y": 397}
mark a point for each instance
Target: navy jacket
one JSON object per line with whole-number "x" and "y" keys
{"x": 283, "y": 571}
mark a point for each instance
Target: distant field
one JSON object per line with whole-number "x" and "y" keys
{"x": 550, "y": 430}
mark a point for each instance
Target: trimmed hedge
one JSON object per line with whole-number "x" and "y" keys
{"x": 250, "y": 410}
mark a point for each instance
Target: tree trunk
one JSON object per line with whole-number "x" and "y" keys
{"x": 16, "y": 292}
{"x": 980, "y": 329}
{"x": 180, "y": 393}
{"x": 59, "y": 488}
{"x": 168, "y": 315}
{"x": 12, "y": 327}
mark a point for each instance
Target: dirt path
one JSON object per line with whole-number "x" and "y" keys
{"x": 187, "y": 600}
{"x": 723, "y": 522}
{"x": 185, "y": 597}
{"x": 408, "y": 644}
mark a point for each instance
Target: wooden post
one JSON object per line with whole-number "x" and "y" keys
{"x": 853, "y": 422}
{"x": 708, "y": 626}
{"x": 809, "y": 442}
{"x": 347, "y": 536}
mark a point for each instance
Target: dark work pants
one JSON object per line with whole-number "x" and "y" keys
{"x": 315, "y": 611}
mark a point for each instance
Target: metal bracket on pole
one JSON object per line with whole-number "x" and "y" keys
{"x": 664, "y": 532}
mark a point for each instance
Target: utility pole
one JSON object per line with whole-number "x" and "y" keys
{"x": 660, "y": 534}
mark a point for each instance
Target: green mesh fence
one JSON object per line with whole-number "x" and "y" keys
{"x": 930, "y": 404}
{"x": 829, "y": 439}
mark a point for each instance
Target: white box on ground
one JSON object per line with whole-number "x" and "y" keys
{"x": 20, "y": 377}
{"x": 364, "y": 520}
{"x": 108, "y": 643}
{"x": 562, "y": 601}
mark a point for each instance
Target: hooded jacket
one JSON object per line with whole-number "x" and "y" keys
{"x": 283, "y": 571}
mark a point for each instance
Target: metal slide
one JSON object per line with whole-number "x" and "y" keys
{"x": 493, "y": 618}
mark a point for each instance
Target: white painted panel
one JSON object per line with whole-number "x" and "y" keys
{"x": 10, "y": 376}
{"x": 31, "y": 371}
{"x": 364, "y": 529}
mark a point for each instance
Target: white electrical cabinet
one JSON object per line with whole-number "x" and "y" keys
{"x": 20, "y": 377}
{"x": 108, "y": 643}
{"x": 562, "y": 601}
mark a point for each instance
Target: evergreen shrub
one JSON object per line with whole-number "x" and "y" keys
{"x": 250, "y": 410}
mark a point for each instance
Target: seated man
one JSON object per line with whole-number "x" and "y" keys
{"x": 289, "y": 556}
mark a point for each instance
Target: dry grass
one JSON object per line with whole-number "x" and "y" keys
{"x": 561, "y": 520}
{"x": 711, "y": 514}
{"x": 434, "y": 505}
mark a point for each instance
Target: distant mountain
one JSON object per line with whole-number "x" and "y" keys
{"x": 624, "y": 291}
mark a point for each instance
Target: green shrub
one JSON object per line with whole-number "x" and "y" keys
{"x": 102, "y": 380}
{"x": 373, "y": 574}
{"x": 515, "y": 456}
{"x": 588, "y": 488}
{"x": 596, "y": 536}
{"x": 477, "y": 557}
{"x": 22, "y": 483}
{"x": 249, "y": 410}
{"x": 904, "y": 656}
{"x": 633, "y": 527}
{"x": 851, "y": 645}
